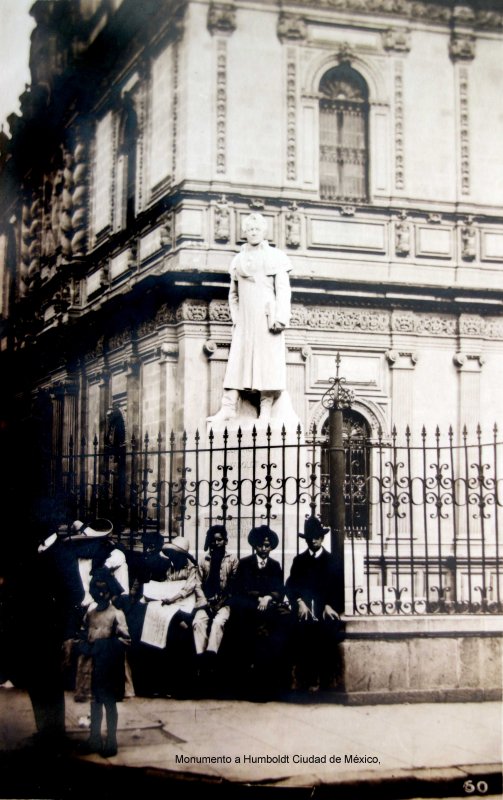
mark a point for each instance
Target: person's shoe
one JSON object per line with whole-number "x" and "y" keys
{"x": 109, "y": 751}
{"x": 93, "y": 745}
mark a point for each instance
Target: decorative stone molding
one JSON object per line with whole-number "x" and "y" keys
{"x": 192, "y": 311}
{"x": 434, "y": 219}
{"x": 222, "y": 228}
{"x": 219, "y": 311}
{"x": 371, "y": 412}
{"x": 221, "y": 107}
{"x": 397, "y": 39}
{"x": 79, "y": 201}
{"x": 463, "y": 14}
{"x": 119, "y": 339}
{"x": 166, "y": 315}
{"x": 402, "y": 235}
{"x": 401, "y": 360}
{"x": 292, "y": 233}
{"x": 469, "y": 362}
{"x": 472, "y": 325}
{"x": 221, "y": 18}
{"x": 424, "y": 11}
{"x": 166, "y": 232}
{"x": 345, "y": 53}
{"x": 347, "y": 320}
{"x": 399, "y": 127}
{"x": 97, "y": 351}
{"x": 423, "y": 324}
{"x": 291, "y": 27}
{"x": 464, "y": 131}
{"x": 298, "y": 316}
{"x": 146, "y": 328}
{"x": 65, "y": 220}
{"x": 468, "y": 240}
{"x": 167, "y": 350}
{"x": 174, "y": 117}
{"x": 347, "y": 211}
{"x": 462, "y": 46}
{"x": 291, "y": 114}
{"x": 210, "y": 347}
{"x": 306, "y": 352}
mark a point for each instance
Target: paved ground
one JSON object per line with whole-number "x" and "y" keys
{"x": 295, "y": 750}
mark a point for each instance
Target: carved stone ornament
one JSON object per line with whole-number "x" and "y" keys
{"x": 423, "y": 324}
{"x": 210, "y": 347}
{"x": 222, "y": 221}
{"x": 192, "y": 311}
{"x": 468, "y": 241}
{"x": 345, "y": 53}
{"x": 402, "y": 235}
{"x": 291, "y": 27}
{"x": 219, "y": 311}
{"x": 462, "y": 47}
{"x": 292, "y": 235}
{"x": 397, "y": 39}
{"x": 471, "y": 362}
{"x": 221, "y": 18}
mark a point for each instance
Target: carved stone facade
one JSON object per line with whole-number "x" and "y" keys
{"x": 125, "y": 222}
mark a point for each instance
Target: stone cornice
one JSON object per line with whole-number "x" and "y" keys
{"x": 434, "y": 13}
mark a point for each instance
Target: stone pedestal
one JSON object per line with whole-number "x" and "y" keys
{"x": 260, "y": 467}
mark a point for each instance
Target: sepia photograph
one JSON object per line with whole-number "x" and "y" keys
{"x": 251, "y": 364}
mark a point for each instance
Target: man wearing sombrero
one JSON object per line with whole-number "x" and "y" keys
{"x": 312, "y": 592}
{"x": 259, "y": 622}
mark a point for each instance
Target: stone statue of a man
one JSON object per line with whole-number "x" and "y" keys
{"x": 259, "y": 300}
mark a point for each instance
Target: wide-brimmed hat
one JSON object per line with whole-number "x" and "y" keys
{"x": 313, "y": 529}
{"x": 210, "y": 533}
{"x": 179, "y": 543}
{"x": 257, "y": 535}
{"x": 82, "y": 531}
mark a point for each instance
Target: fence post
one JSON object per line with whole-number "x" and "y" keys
{"x": 335, "y": 399}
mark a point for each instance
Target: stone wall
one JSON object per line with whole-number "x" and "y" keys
{"x": 423, "y": 659}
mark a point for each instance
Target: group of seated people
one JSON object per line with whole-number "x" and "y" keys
{"x": 223, "y": 625}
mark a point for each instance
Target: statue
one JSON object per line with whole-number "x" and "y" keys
{"x": 259, "y": 300}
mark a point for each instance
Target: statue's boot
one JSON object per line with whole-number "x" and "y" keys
{"x": 266, "y": 401}
{"x": 228, "y": 408}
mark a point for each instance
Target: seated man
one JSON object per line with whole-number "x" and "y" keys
{"x": 218, "y": 569}
{"x": 259, "y": 619}
{"x": 311, "y": 590}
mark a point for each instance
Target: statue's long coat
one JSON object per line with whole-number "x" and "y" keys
{"x": 259, "y": 295}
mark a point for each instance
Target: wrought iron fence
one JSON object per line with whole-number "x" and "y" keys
{"x": 422, "y": 522}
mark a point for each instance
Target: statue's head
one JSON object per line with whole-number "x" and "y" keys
{"x": 254, "y": 228}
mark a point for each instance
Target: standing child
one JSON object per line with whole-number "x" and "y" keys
{"x": 106, "y": 634}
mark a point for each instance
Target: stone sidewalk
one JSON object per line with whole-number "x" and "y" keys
{"x": 305, "y": 749}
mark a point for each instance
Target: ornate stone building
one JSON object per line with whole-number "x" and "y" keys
{"x": 368, "y": 133}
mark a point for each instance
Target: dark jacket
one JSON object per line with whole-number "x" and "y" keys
{"x": 314, "y": 580}
{"x": 252, "y": 582}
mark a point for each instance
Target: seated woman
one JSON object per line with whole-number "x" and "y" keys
{"x": 259, "y": 622}
{"x": 162, "y": 629}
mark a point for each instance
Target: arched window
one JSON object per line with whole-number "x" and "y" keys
{"x": 343, "y": 135}
{"x": 356, "y": 433}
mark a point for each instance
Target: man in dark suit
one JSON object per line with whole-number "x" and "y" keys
{"x": 311, "y": 590}
{"x": 259, "y": 620}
